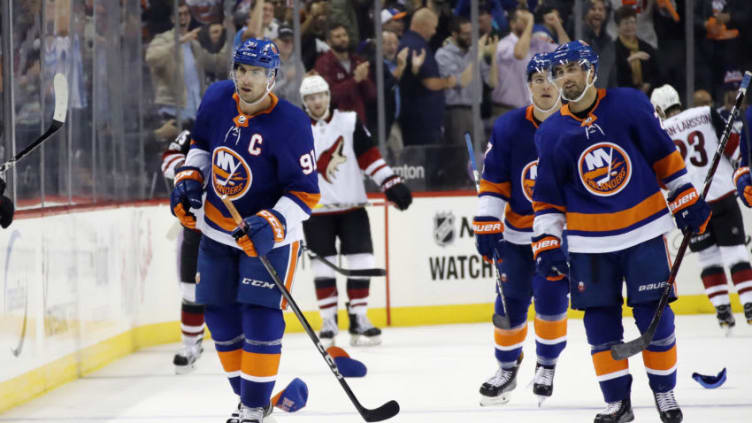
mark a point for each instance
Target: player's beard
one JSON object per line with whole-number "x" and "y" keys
{"x": 573, "y": 91}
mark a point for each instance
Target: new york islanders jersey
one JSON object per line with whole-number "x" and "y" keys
{"x": 345, "y": 151}
{"x": 696, "y": 137}
{"x": 598, "y": 174}
{"x": 260, "y": 162}
{"x": 509, "y": 170}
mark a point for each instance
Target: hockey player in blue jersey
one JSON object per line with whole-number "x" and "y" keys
{"x": 743, "y": 183}
{"x": 602, "y": 160}
{"x": 506, "y": 188}
{"x": 257, "y": 150}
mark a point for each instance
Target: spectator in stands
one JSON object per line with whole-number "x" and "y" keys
{"x": 512, "y": 54}
{"x": 644, "y": 17}
{"x": 285, "y": 84}
{"x": 721, "y": 47}
{"x": 178, "y": 84}
{"x": 455, "y": 59}
{"x": 346, "y": 12}
{"x": 636, "y": 64}
{"x": 260, "y": 23}
{"x": 314, "y": 32}
{"x": 395, "y": 62}
{"x": 206, "y": 12}
{"x": 216, "y": 41}
{"x": 489, "y": 14}
{"x": 422, "y": 87}
{"x": 347, "y": 74}
{"x": 393, "y": 20}
{"x": 549, "y": 25}
{"x": 594, "y": 33}
{"x": 670, "y": 28}
{"x": 702, "y": 98}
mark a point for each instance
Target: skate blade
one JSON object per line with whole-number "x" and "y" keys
{"x": 182, "y": 370}
{"x": 365, "y": 341}
{"x": 500, "y": 399}
{"x": 328, "y": 342}
{"x": 727, "y": 330}
{"x": 541, "y": 400}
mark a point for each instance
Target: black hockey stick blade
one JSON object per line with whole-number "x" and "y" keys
{"x": 501, "y": 322}
{"x": 386, "y": 411}
{"x": 60, "y": 85}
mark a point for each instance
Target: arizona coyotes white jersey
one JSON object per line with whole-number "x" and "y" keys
{"x": 344, "y": 151}
{"x": 695, "y": 136}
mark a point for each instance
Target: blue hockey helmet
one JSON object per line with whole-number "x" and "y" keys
{"x": 255, "y": 52}
{"x": 574, "y": 51}
{"x": 541, "y": 62}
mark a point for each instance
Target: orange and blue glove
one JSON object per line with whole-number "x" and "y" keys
{"x": 691, "y": 212}
{"x": 743, "y": 183}
{"x": 489, "y": 237}
{"x": 189, "y": 184}
{"x": 258, "y": 233}
{"x": 550, "y": 261}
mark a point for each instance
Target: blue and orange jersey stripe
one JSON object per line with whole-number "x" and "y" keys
{"x": 620, "y": 220}
{"x": 669, "y": 167}
{"x": 306, "y": 200}
{"x": 498, "y": 189}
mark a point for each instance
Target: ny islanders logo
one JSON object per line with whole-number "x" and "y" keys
{"x": 605, "y": 169}
{"x": 231, "y": 175}
{"x": 527, "y": 179}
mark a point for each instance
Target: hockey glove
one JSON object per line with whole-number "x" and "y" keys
{"x": 550, "y": 261}
{"x": 397, "y": 192}
{"x": 6, "y": 211}
{"x": 690, "y": 211}
{"x": 489, "y": 237}
{"x": 260, "y": 232}
{"x": 174, "y": 156}
{"x": 187, "y": 195}
{"x": 743, "y": 183}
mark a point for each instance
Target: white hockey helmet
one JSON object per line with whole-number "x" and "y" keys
{"x": 313, "y": 84}
{"x": 664, "y": 98}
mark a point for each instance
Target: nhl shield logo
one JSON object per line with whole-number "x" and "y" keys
{"x": 443, "y": 228}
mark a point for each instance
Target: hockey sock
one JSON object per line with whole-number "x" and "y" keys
{"x": 716, "y": 285}
{"x": 660, "y": 355}
{"x": 604, "y": 329}
{"x": 741, "y": 275}
{"x": 192, "y": 322}
{"x": 326, "y": 294}
{"x": 551, "y": 304}
{"x": 263, "y": 329}
{"x": 357, "y": 292}
{"x": 509, "y": 341}
{"x": 224, "y": 322}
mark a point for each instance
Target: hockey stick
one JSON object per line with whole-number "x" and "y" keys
{"x": 500, "y": 321}
{"x": 628, "y": 349}
{"x": 60, "y": 85}
{"x": 387, "y": 410}
{"x": 376, "y": 271}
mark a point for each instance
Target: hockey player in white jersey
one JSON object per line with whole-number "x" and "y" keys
{"x": 696, "y": 132}
{"x": 344, "y": 150}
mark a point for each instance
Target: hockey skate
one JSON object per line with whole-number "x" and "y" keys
{"x": 329, "y": 330}
{"x": 748, "y": 312}
{"x": 543, "y": 383}
{"x": 267, "y": 411}
{"x": 186, "y": 357}
{"x": 725, "y": 317}
{"x": 616, "y": 412}
{"x": 497, "y": 389}
{"x": 362, "y": 332}
{"x": 667, "y": 407}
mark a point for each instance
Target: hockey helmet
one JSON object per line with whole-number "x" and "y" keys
{"x": 575, "y": 51}
{"x": 313, "y": 84}
{"x": 664, "y": 98}
{"x": 255, "y": 52}
{"x": 539, "y": 63}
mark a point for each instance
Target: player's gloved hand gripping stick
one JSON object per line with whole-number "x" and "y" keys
{"x": 628, "y": 349}
{"x": 500, "y": 321}
{"x": 386, "y": 411}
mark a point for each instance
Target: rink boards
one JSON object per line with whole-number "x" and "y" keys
{"x": 83, "y": 287}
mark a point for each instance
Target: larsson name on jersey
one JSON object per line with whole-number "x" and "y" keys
{"x": 687, "y": 124}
